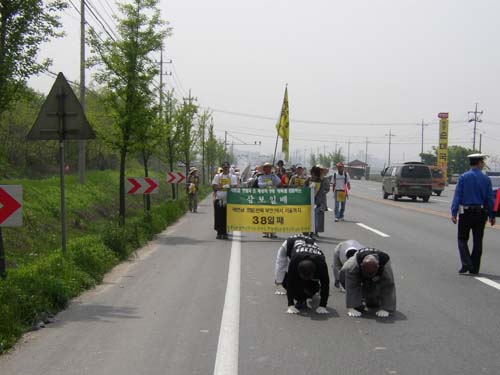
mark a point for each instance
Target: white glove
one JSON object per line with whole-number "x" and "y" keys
{"x": 309, "y": 302}
{"x": 353, "y": 312}
{"x": 341, "y": 289}
{"x": 292, "y": 310}
{"x": 322, "y": 310}
{"x": 382, "y": 313}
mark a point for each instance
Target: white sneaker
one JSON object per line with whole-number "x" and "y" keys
{"x": 336, "y": 219}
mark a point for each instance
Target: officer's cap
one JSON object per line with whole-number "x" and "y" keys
{"x": 474, "y": 158}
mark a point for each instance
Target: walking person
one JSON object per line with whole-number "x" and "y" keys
{"x": 268, "y": 180}
{"x": 220, "y": 184}
{"x": 473, "y": 203}
{"x": 340, "y": 188}
{"x": 321, "y": 188}
{"x": 299, "y": 179}
{"x": 192, "y": 186}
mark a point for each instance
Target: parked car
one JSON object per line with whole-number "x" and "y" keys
{"x": 495, "y": 184}
{"x": 411, "y": 179}
{"x": 438, "y": 180}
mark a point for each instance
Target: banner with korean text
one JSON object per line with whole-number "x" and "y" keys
{"x": 270, "y": 210}
{"x": 442, "y": 160}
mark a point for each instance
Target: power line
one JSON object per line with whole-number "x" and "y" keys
{"x": 111, "y": 29}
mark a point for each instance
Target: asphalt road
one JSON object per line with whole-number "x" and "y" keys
{"x": 171, "y": 310}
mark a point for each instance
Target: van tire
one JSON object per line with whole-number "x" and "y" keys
{"x": 426, "y": 198}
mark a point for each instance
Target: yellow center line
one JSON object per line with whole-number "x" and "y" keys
{"x": 410, "y": 207}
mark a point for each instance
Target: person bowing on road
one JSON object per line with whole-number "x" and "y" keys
{"x": 473, "y": 203}
{"x": 369, "y": 283}
{"x": 306, "y": 275}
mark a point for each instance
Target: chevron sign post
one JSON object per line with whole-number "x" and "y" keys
{"x": 175, "y": 177}
{"x": 142, "y": 185}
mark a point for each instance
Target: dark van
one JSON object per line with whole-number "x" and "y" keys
{"x": 410, "y": 179}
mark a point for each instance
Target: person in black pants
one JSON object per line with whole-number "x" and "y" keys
{"x": 473, "y": 203}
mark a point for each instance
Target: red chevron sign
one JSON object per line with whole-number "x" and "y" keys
{"x": 11, "y": 198}
{"x": 175, "y": 177}
{"x": 142, "y": 185}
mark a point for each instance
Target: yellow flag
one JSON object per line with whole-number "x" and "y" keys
{"x": 283, "y": 125}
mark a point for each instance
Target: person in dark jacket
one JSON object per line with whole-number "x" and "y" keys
{"x": 307, "y": 273}
{"x": 368, "y": 280}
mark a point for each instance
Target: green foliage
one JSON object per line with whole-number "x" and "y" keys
{"x": 24, "y": 26}
{"x": 40, "y": 280}
{"x": 457, "y": 158}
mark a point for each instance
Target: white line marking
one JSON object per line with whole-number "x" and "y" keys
{"x": 440, "y": 200}
{"x": 226, "y": 361}
{"x": 382, "y": 234}
{"x": 488, "y": 282}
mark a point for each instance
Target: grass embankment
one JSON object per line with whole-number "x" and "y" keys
{"x": 40, "y": 280}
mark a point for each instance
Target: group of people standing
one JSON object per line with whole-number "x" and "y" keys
{"x": 296, "y": 176}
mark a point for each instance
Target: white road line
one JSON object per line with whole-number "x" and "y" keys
{"x": 382, "y": 234}
{"x": 226, "y": 361}
{"x": 488, "y": 282}
{"x": 440, "y": 200}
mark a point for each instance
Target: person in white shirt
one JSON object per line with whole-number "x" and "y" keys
{"x": 341, "y": 187}
{"x": 221, "y": 183}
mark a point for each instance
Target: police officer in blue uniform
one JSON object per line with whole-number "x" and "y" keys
{"x": 473, "y": 203}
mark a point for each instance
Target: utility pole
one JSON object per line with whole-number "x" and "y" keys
{"x": 366, "y": 158}
{"x": 422, "y": 149}
{"x": 190, "y": 100}
{"x": 348, "y": 152}
{"x": 82, "y": 144}
{"x": 480, "y": 140}
{"x": 390, "y": 135}
{"x": 476, "y": 119}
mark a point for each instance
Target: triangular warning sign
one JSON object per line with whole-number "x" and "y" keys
{"x": 61, "y": 116}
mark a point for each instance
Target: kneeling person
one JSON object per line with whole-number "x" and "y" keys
{"x": 307, "y": 275}
{"x": 341, "y": 254}
{"x": 368, "y": 280}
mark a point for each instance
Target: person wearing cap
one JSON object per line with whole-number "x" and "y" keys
{"x": 343, "y": 251}
{"x": 341, "y": 186}
{"x": 473, "y": 202}
{"x": 220, "y": 184}
{"x": 321, "y": 186}
{"x": 192, "y": 186}
{"x": 268, "y": 180}
{"x": 369, "y": 283}
{"x": 306, "y": 273}
{"x": 299, "y": 179}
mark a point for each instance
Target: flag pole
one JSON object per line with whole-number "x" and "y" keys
{"x": 275, "y": 147}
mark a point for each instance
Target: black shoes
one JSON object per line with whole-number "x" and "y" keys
{"x": 219, "y": 236}
{"x": 225, "y": 237}
{"x": 466, "y": 269}
{"x": 300, "y": 305}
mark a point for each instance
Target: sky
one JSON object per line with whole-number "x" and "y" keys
{"x": 356, "y": 70}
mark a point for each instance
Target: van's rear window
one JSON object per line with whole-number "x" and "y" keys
{"x": 437, "y": 173}
{"x": 416, "y": 171}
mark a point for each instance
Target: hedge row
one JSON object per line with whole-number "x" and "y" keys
{"x": 37, "y": 290}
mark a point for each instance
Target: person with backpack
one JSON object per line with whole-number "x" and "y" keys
{"x": 340, "y": 188}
